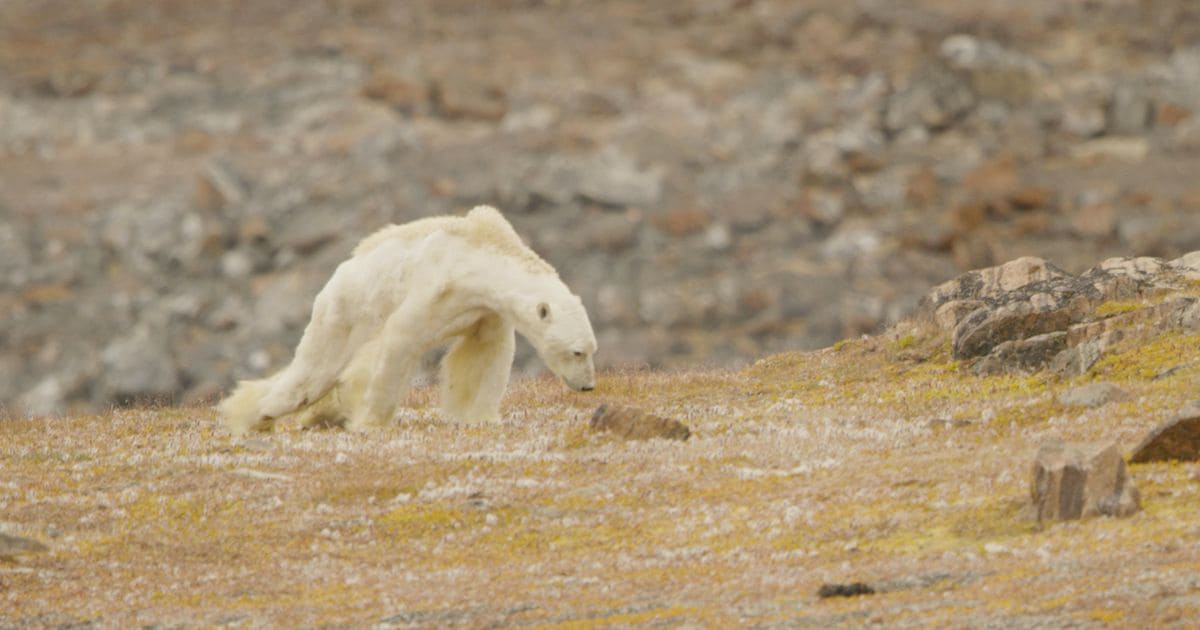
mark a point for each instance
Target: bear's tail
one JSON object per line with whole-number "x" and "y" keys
{"x": 240, "y": 411}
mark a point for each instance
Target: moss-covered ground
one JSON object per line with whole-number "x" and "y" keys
{"x": 878, "y": 460}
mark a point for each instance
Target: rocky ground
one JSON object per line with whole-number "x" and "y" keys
{"x": 895, "y": 470}
{"x": 719, "y": 179}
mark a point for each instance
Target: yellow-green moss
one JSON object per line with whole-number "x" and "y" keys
{"x": 1117, "y": 307}
{"x": 1145, "y": 361}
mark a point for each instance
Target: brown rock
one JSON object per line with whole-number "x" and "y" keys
{"x": 922, "y": 187}
{"x": 1080, "y": 480}
{"x": 683, "y": 222}
{"x": 1029, "y": 198}
{"x": 1096, "y": 221}
{"x": 405, "y": 96}
{"x": 994, "y": 180}
{"x": 1177, "y": 439}
{"x": 1170, "y": 114}
{"x": 634, "y": 424}
{"x": 458, "y": 97}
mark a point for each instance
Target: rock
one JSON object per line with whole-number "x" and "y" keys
{"x": 1080, "y": 480}
{"x": 993, "y": 282}
{"x": 13, "y": 546}
{"x": 936, "y": 98}
{"x": 984, "y": 329}
{"x": 1024, "y": 355}
{"x": 1129, "y": 112}
{"x": 682, "y": 222}
{"x": 139, "y": 366}
{"x": 950, "y": 314}
{"x": 1077, "y": 360}
{"x": 458, "y": 96}
{"x": 1094, "y": 221}
{"x": 1092, "y": 395}
{"x": 218, "y": 186}
{"x": 1177, "y": 439}
{"x": 17, "y": 260}
{"x": 47, "y": 398}
{"x": 613, "y": 179}
{"x": 1123, "y": 148}
{"x": 634, "y": 424}
{"x": 401, "y": 94}
{"x": 845, "y": 590}
{"x": 995, "y": 72}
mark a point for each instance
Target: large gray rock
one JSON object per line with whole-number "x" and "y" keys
{"x": 1080, "y": 480}
{"x": 139, "y": 366}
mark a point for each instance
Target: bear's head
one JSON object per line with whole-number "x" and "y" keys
{"x": 562, "y": 335}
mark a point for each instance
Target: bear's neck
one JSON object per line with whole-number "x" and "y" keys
{"x": 511, "y": 289}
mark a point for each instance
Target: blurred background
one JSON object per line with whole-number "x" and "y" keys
{"x": 718, "y": 179}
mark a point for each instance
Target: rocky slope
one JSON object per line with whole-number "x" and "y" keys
{"x": 883, "y": 469}
{"x": 719, "y": 179}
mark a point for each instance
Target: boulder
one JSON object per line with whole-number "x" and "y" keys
{"x": 1024, "y": 355}
{"x": 1177, "y": 439}
{"x": 139, "y": 366}
{"x": 1080, "y": 480}
{"x": 635, "y": 424}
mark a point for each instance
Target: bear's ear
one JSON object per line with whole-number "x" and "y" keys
{"x": 543, "y": 311}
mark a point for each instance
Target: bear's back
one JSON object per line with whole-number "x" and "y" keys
{"x": 483, "y": 226}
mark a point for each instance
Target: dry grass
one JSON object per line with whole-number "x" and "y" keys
{"x": 877, "y": 461}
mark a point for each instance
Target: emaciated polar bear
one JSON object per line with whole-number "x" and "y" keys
{"x": 406, "y": 289}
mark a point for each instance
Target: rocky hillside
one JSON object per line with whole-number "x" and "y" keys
{"x": 884, "y": 481}
{"x": 718, "y": 179}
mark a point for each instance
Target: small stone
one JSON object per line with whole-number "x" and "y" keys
{"x": 682, "y": 222}
{"x": 1177, "y": 439}
{"x": 1029, "y": 197}
{"x": 1170, "y": 115}
{"x": 12, "y": 546}
{"x": 1129, "y": 112}
{"x": 1094, "y": 221}
{"x": 1080, "y": 480}
{"x": 457, "y": 96}
{"x": 403, "y": 95}
{"x": 1092, "y": 395}
{"x": 1126, "y": 149}
{"x": 845, "y": 590}
{"x": 634, "y": 424}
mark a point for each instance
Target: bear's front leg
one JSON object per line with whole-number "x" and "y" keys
{"x": 476, "y": 370}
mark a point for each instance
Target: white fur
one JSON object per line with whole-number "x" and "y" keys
{"x": 406, "y": 289}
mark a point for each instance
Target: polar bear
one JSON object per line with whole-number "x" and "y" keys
{"x": 406, "y": 289}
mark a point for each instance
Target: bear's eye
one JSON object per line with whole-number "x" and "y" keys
{"x": 578, "y": 354}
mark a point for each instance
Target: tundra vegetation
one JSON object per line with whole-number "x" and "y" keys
{"x": 880, "y": 460}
